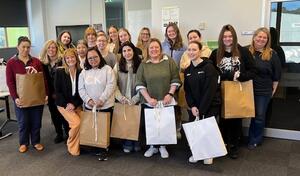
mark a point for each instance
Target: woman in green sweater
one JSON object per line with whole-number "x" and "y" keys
{"x": 157, "y": 80}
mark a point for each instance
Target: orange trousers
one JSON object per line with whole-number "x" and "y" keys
{"x": 73, "y": 119}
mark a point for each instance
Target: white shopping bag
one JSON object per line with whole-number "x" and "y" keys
{"x": 204, "y": 138}
{"x": 3, "y": 86}
{"x": 160, "y": 126}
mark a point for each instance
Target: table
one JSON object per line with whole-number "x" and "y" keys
{"x": 4, "y": 96}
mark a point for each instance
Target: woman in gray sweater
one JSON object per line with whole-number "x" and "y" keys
{"x": 125, "y": 93}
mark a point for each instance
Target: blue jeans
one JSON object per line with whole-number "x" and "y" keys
{"x": 256, "y": 130}
{"x": 131, "y": 145}
{"x": 29, "y": 122}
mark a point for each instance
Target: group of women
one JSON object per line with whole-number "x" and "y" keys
{"x": 102, "y": 69}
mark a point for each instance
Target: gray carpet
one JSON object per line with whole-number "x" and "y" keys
{"x": 274, "y": 158}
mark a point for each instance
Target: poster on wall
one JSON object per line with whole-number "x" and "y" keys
{"x": 169, "y": 15}
{"x": 98, "y": 27}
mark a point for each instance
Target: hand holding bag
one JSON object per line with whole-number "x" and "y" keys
{"x": 237, "y": 99}
{"x": 126, "y": 121}
{"x": 204, "y": 138}
{"x": 95, "y": 128}
{"x": 31, "y": 89}
{"x": 160, "y": 125}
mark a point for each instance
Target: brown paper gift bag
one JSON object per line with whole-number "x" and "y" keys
{"x": 126, "y": 121}
{"x": 31, "y": 89}
{"x": 237, "y": 99}
{"x": 181, "y": 94}
{"x": 94, "y": 129}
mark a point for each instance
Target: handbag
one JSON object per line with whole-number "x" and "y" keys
{"x": 31, "y": 89}
{"x": 204, "y": 138}
{"x": 160, "y": 125}
{"x": 237, "y": 99}
{"x": 126, "y": 121}
{"x": 94, "y": 128}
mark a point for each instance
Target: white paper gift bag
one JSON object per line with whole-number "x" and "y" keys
{"x": 160, "y": 126}
{"x": 204, "y": 138}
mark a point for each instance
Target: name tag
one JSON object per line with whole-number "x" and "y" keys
{"x": 200, "y": 72}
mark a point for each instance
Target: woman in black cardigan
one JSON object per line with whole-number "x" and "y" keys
{"x": 51, "y": 61}
{"x": 68, "y": 100}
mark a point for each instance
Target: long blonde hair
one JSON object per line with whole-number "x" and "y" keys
{"x": 70, "y": 51}
{"x": 266, "y": 53}
{"x": 142, "y": 45}
{"x": 44, "y": 58}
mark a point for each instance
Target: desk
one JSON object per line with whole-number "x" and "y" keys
{"x": 4, "y": 96}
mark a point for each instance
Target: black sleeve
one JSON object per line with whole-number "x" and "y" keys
{"x": 213, "y": 57}
{"x": 187, "y": 89}
{"x": 276, "y": 67}
{"x": 249, "y": 71}
{"x": 210, "y": 88}
{"x": 58, "y": 85}
{"x": 281, "y": 56}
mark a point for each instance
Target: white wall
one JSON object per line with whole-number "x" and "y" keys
{"x": 72, "y": 12}
{"x": 36, "y": 22}
{"x": 138, "y": 16}
{"x": 244, "y": 15}
{"x": 44, "y": 15}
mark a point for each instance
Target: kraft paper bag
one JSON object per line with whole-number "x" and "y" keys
{"x": 160, "y": 126}
{"x": 237, "y": 99}
{"x": 204, "y": 138}
{"x": 126, "y": 121}
{"x": 94, "y": 128}
{"x": 31, "y": 89}
{"x": 3, "y": 85}
{"x": 181, "y": 94}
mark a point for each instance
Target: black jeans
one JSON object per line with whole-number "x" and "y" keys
{"x": 58, "y": 120}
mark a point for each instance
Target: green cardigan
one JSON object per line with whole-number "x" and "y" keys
{"x": 157, "y": 77}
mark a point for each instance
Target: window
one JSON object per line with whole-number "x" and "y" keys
{"x": 114, "y": 13}
{"x": 285, "y": 17}
{"x": 9, "y": 36}
{"x": 12, "y": 26}
{"x": 2, "y": 38}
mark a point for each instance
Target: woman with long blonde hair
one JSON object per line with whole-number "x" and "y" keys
{"x": 143, "y": 41}
{"x": 265, "y": 82}
{"x": 51, "y": 61}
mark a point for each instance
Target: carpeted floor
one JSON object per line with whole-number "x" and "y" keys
{"x": 274, "y": 158}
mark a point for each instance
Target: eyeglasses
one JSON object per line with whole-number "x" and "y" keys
{"x": 93, "y": 58}
{"x": 145, "y": 33}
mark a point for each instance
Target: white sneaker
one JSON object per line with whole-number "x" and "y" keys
{"x": 150, "y": 152}
{"x": 208, "y": 161}
{"x": 163, "y": 152}
{"x": 192, "y": 160}
{"x": 126, "y": 150}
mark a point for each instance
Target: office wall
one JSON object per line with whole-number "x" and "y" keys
{"x": 244, "y": 15}
{"x": 44, "y": 15}
{"x": 138, "y": 16}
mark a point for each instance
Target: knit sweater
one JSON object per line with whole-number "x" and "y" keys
{"x": 123, "y": 81}
{"x": 157, "y": 77}
{"x": 97, "y": 84}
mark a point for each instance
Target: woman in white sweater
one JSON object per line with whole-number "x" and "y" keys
{"x": 97, "y": 85}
